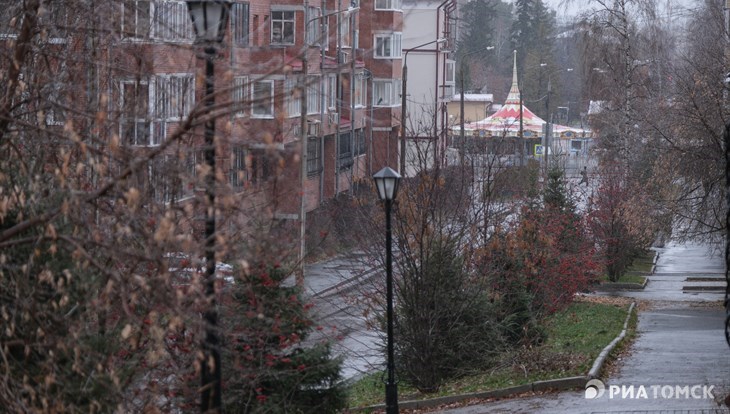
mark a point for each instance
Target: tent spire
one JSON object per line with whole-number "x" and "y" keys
{"x": 514, "y": 91}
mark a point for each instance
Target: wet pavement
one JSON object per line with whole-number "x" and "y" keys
{"x": 679, "y": 363}
{"x": 338, "y": 288}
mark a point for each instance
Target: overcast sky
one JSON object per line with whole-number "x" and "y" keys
{"x": 676, "y": 7}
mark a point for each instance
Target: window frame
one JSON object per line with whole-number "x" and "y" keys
{"x": 293, "y": 97}
{"x": 238, "y": 172}
{"x": 361, "y": 90}
{"x": 284, "y": 21}
{"x": 314, "y": 156}
{"x": 332, "y": 92}
{"x": 345, "y": 156}
{"x": 395, "y": 91}
{"x": 240, "y": 22}
{"x": 391, "y": 40}
{"x": 239, "y": 96}
{"x": 254, "y": 99}
{"x": 313, "y": 94}
{"x": 391, "y": 5}
{"x": 138, "y": 118}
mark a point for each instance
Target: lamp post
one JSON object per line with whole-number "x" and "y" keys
{"x": 386, "y": 182}
{"x": 519, "y": 87}
{"x": 403, "y": 103}
{"x": 462, "y": 138}
{"x": 209, "y": 22}
{"x": 549, "y": 121}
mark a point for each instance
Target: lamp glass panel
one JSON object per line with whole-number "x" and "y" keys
{"x": 380, "y": 184}
{"x": 389, "y": 184}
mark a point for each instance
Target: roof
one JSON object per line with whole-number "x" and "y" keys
{"x": 474, "y": 97}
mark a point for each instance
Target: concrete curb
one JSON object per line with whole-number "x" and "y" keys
{"x": 537, "y": 386}
{"x": 598, "y": 364}
{"x": 625, "y": 286}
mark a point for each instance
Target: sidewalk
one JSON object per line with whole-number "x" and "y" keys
{"x": 681, "y": 343}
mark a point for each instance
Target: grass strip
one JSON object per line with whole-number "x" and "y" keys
{"x": 576, "y": 336}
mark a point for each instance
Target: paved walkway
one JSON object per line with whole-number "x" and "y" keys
{"x": 681, "y": 344}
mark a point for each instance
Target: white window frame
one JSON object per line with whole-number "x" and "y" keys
{"x": 174, "y": 95}
{"x": 388, "y": 5}
{"x": 389, "y": 90}
{"x": 361, "y": 90}
{"x": 392, "y": 41}
{"x": 128, "y": 13}
{"x": 331, "y": 92}
{"x": 256, "y": 105}
{"x": 143, "y": 119}
{"x": 313, "y": 94}
{"x": 288, "y": 17}
{"x": 450, "y": 75}
{"x": 238, "y": 174}
{"x": 240, "y": 21}
{"x": 313, "y": 21}
{"x": 345, "y": 30}
{"x": 171, "y": 21}
{"x": 293, "y": 97}
{"x": 240, "y": 95}
{"x": 168, "y": 20}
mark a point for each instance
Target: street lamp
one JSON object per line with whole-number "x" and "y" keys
{"x": 386, "y": 182}
{"x": 209, "y": 22}
{"x": 547, "y": 136}
{"x": 461, "y": 101}
{"x": 403, "y": 103}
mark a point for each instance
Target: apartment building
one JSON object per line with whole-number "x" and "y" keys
{"x": 430, "y": 28}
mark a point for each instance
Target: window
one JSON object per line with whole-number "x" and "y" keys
{"x": 160, "y": 20}
{"x": 314, "y": 156}
{"x": 361, "y": 90}
{"x": 239, "y": 23}
{"x": 360, "y": 143}
{"x": 237, "y": 172}
{"x": 175, "y": 96}
{"x": 293, "y": 97}
{"x": 164, "y": 179}
{"x": 386, "y": 92}
{"x": 315, "y": 36}
{"x": 10, "y": 18}
{"x": 147, "y": 107}
{"x": 331, "y": 91}
{"x": 282, "y": 27}
{"x": 54, "y": 111}
{"x": 344, "y": 151}
{"x": 260, "y": 168}
{"x": 136, "y": 19}
{"x": 134, "y": 121}
{"x": 388, "y": 46}
{"x": 195, "y": 158}
{"x": 450, "y": 72}
{"x": 171, "y": 21}
{"x": 263, "y": 99}
{"x": 344, "y": 31}
{"x": 387, "y": 4}
{"x": 240, "y": 95}
{"x": 313, "y": 95}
